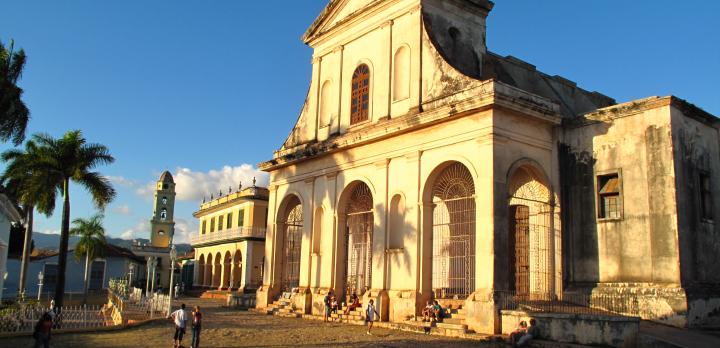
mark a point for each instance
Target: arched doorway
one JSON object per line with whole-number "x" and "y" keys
{"x": 227, "y": 267}
{"x": 292, "y": 225}
{"x": 453, "y": 233}
{"x": 201, "y": 271}
{"x": 359, "y": 221}
{"x": 530, "y": 235}
{"x": 217, "y": 271}
{"x": 207, "y": 280}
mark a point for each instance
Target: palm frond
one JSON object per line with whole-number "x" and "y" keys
{"x": 99, "y": 187}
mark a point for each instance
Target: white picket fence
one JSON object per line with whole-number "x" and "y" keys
{"x": 24, "y": 317}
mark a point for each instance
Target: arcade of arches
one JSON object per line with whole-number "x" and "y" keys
{"x": 355, "y": 244}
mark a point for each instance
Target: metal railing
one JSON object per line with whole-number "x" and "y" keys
{"x": 22, "y": 317}
{"x": 233, "y": 233}
{"x": 569, "y": 303}
{"x": 129, "y": 303}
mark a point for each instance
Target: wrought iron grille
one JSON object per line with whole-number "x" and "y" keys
{"x": 359, "y": 224}
{"x": 453, "y": 268}
{"x": 292, "y": 241}
{"x": 534, "y": 241}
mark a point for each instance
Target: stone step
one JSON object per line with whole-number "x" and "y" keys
{"x": 449, "y": 326}
{"x": 453, "y": 320}
{"x": 289, "y": 315}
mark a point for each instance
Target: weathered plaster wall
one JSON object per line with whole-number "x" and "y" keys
{"x": 696, "y": 152}
{"x": 641, "y": 246}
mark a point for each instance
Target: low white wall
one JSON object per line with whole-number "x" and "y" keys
{"x": 578, "y": 328}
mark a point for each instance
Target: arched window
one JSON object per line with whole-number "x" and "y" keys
{"x": 360, "y": 106}
{"x": 163, "y": 214}
{"x": 401, "y": 74}
{"x": 326, "y": 104}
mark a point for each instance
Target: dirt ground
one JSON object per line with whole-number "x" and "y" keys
{"x": 229, "y": 328}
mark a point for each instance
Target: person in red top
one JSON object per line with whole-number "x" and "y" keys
{"x": 196, "y": 326}
{"x": 42, "y": 331}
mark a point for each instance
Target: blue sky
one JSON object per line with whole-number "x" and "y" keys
{"x": 201, "y": 88}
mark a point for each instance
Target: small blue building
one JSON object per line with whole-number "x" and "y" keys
{"x": 114, "y": 264}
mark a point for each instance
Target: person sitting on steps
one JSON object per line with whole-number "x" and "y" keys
{"x": 354, "y": 303}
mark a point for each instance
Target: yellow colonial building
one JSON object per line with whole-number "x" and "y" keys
{"x": 230, "y": 244}
{"x": 423, "y": 166}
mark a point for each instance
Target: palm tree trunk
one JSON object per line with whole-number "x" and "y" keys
{"x": 85, "y": 287}
{"x": 64, "y": 237}
{"x": 26, "y": 249}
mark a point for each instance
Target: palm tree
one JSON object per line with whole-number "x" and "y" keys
{"x": 30, "y": 189}
{"x": 67, "y": 159}
{"x": 91, "y": 244}
{"x": 14, "y": 114}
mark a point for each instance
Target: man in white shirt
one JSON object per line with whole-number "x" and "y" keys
{"x": 180, "y": 318}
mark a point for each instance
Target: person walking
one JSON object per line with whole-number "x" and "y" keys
{"x": 42, "y": 331}
{"x": 370, "y": 314}
{"x": 180, "y": 318}
{"x": 196, "y": 326}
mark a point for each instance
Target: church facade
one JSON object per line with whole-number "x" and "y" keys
{"x": 424, "y": 166}
{"x": 162, "y": 230}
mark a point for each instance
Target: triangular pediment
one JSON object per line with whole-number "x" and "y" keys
{"x": 336, "y": 12}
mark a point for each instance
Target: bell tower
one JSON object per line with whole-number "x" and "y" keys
{"x": 162, "y": 224}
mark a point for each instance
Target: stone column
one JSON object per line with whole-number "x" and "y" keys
{"x": 232, "y": 271}
{"x": 378, "y": 291}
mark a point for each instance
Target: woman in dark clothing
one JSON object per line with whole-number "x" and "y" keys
{"x": 42, "y": 331}
{"x": 196, "y": 326}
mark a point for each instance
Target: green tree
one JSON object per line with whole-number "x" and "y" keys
{"x": 91, "y": 244}
{"x": 72, "y": 159}
{"x": 14, "y": 114}
{"x": 30, "y": 188}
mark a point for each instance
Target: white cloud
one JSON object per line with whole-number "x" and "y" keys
{"x": 122, "y": 181}
{"x": 122, "y": 209}
{"x": 143, "y": 190}
{"x": 193, "y": 186}
{"x": 51, "y": 231}
{"x": 183, "y": 230}
{"x": 141, "y": 230}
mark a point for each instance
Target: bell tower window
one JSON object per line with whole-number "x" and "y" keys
{"x": 360, "y": 104}
{"x": 163, "y": 214}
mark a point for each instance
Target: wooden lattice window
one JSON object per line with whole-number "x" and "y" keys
{"x": 360, "y": 107}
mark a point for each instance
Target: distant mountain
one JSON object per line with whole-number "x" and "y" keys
{"x": 52, "y": 241}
